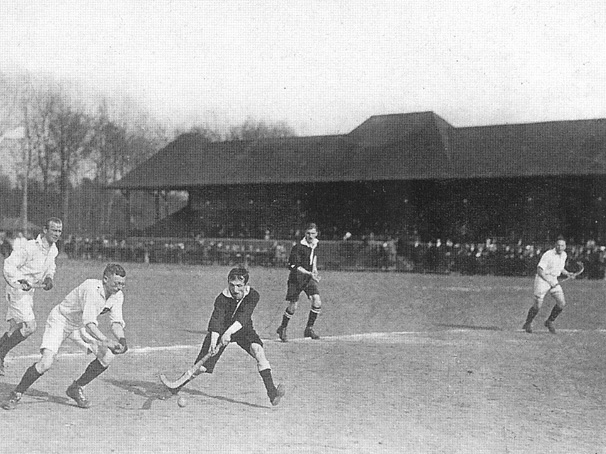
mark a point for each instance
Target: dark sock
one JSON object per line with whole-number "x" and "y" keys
{"x": 286, "y": 318}
{"x": 93, "y": 370}
{"x": 268, "y": 381}
{"x": 28, "y": 379}
{"x": 312, "y": 318}
{"x": 11, "y": 342}
{"x": 532, "y": 313}
{"x": 554, "y": 313}
{"x": 3, "y": 338}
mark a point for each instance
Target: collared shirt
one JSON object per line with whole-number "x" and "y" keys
{"x": 33, "y": 262}
{"x": 303, "y": 254}
{"x": 228, "y": 310}
{"x": 553, "y": 263}
{"x": 87, "y": 301}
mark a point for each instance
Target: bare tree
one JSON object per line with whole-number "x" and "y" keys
{"x": 45, "y": 104}
{"x": 71, "y": 133}
{"x": 255, "y": 130}
{"x": 123, "y": 137}
{"x": 204, "y": 132}
{"x": 19, "y": 104}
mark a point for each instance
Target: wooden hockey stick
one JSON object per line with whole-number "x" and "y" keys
{"x": 186, "y": 377}
{"x": 573, "y": 275}
{"x": 31, "y": 286}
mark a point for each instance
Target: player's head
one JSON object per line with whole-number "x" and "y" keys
{"x": 236, "y": 282}
{"x": 560, "y": 245}
{"x": 311, "y": 232}
{"x": 239, "y": 273}
{"x": 114, "y": 278}
{"x": 53, "y": 227}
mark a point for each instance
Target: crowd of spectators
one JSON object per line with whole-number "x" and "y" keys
{"x": 495, "y": 258}
{"x": 191, "y": 251}
{"x": 490, "y": 257}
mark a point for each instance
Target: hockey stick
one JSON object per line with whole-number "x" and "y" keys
{"x": 186, "y": 377}
{"x": 31, "y": 286}
{"x": 573, "y": 275}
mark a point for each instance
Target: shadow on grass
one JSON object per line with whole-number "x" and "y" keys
{"x": 473, "y": 327}
{"x": 156, "y": 391}
{"x": 40, "y": 396}
{"x": 191, "y": 331}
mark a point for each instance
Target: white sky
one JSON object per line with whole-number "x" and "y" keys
{"x": 323, "y": 66}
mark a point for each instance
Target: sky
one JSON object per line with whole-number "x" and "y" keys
{"x": 323, "y": 67}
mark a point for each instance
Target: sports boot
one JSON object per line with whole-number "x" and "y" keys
{"x": 279, "y": 394}
{"x": 77, "y": 393}
{"x": 282, "y": 333}
{"x": 527, "y": 327}
{"x": 13, "y": 400}
{"x": 2, "y": 372}
{"x": 309, "y": 332}
{"x": 550, "y": 327}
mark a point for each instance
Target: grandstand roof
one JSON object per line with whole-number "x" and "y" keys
{"x": 413, "y": 146}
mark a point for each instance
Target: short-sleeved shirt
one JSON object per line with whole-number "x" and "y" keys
{"x": 553, "y": 263}
{"x": 87, "y": 301}
{"x": 33, "y": 262}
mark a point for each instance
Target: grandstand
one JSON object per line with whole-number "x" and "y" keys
{"x": 399, "y": 175}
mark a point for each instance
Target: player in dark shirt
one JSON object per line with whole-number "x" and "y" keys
{"x": 303, "y": 277}
{"x": 231, "y": 322}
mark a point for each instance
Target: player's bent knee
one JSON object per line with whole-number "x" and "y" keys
{"x": 262, "y": 365}
{"x": 46, "y": 362}
{"x": 43, "y": 367}
{"x": 105, "y": 356}
{"x": 256, "y": 350}
{"x": 28, "y": 328}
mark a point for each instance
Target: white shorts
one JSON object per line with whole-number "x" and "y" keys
{"x": 58, "y": 328}
{"x": 20, "y": 305}
{"x": 542, "y": 288}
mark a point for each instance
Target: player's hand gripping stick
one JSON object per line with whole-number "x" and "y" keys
{"x": 186, "y": 377}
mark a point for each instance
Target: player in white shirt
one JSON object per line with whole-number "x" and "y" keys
{"x": 27, "y": 268}
{"x": 20, "y": 241}
{"x": 76, "y": 318}
{"x": 550, "y": 267}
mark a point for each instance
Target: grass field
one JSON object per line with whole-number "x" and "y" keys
{"x": 408, "y": 363}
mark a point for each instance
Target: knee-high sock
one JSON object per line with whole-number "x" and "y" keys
{"x": 286, "y": 318}
{"x": 557, "y": 310}
{"x": 11, "y": 342}
{"x": 313, "y": 314}
{"x": 93, "y": 370}
{"x": 532, "y": 313}
{"x": 28, "y": 379}
{"x": 268, "y": 381}
{"x": 3, "y": 338}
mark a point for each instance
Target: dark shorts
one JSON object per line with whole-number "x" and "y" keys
{"x": 244, "y": 338}
{"x": 300, "y": 283}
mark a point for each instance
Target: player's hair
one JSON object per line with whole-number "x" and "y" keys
{"x": 311, "y": 225}
{"x": 238, "y": 273}
{"x": 560, "y": 238}
{"x": 54, "y": 220}
{"x": 114, "y": 268}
